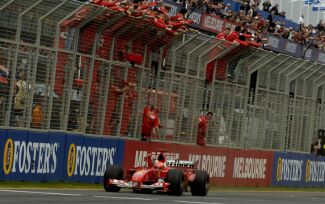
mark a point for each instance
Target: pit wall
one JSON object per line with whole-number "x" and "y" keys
{"x": 55, "y": 156}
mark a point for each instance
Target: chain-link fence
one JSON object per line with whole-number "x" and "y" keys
{"x": 64, "y": 67}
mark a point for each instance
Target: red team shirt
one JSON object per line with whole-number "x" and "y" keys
{"x": 232, "y": 36}
{"x": 202, "y": 129}
{"x": 150, "y": 120}
{"x": 221, "y": 36}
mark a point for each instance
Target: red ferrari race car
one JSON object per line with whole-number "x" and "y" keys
{"x": 161, "y": 175}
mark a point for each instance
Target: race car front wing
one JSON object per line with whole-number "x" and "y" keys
{"x": 160, "y": 185}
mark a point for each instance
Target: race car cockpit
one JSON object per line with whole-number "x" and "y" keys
{"x": 160, "y": 162}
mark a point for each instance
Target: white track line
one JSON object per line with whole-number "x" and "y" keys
{"x": 122, "y": 198}
{"x": 43, "y": 193}
{"x": 193, "y": 202}
{"x": 215, "y": 198}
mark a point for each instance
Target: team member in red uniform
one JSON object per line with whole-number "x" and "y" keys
{"x": 202, "y": 128}
{"x": 224, "y": 34}
{"x": 150, "y": 123}
{"x": 234, "y": 35}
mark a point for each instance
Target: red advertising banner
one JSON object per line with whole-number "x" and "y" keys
{"x": 216, "y": 24}
{"x": 226, "y": 167}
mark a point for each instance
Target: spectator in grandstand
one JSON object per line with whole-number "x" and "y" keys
{"x": 282, "y": 14}
{"x": 279, "y": 30}
{"x": 316, "y": 147}
{"x": 150, "y": 123}
{"x": 286, "y": 33}
{"x": 259, "y": 36}
{"x": 4, "y": 88}
{"x": 4, "y": 72}
{"x": 248, "y": 21}
{"x": 275, "y": 9}
{"x": 320, "y": 26}
{"x": 256, "y": 3}
{"x": 140, "y": 9}
{"x": 251, "y": 19}
{"x": 202, "y": 128}
{"x": 226, "y": 11}
{"x": 301, "y": 21}
{"x": 20, "y": 99}
{"x": 37, "y": 115}
{"x": 259, "y": 23}
{"x": 266, "y": 6}
{"x": 245, "y": 7}
{"x": 253, "y": 11}
{"x": 270, "y": 17}
{"x": 271, "y": 24}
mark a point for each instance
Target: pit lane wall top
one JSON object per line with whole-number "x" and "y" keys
{"x": 54, "y": 156}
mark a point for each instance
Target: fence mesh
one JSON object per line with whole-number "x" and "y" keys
{"x": 64, "y": 66}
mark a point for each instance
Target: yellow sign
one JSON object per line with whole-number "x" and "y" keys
{"x": 8, "y": 156}
{"x": 279, "y": 170}
{"x": 71, "y": 160}
{"x": 307, "y": 175}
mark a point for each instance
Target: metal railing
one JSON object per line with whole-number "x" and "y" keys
{"x": 66, "y": 68}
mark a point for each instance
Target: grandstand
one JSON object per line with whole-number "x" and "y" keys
{"x": 70, "y": 59}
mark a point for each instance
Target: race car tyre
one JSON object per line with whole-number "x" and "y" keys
{"x": 200, "y": 185}
{"x": 175, "y": 179}
{"x": 112, "y": 172}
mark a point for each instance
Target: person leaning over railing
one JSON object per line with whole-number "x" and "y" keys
{"x": 315, "y": 148}
{"x": 224, "y": 34}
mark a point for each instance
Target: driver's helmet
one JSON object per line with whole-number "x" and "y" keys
{"x": 160, "y": 162}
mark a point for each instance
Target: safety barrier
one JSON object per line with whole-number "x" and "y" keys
{"x": 54, "y": 156}
{"x": 308, "y": 52}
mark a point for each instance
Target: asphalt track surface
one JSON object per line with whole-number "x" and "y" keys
{"x": 49, "y": 196}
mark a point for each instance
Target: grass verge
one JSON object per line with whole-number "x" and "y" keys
{"x": 64, "y": 185}
{"x": 268, "y": 189}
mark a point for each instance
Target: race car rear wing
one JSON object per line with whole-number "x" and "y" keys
{"x": 180, "y": 163}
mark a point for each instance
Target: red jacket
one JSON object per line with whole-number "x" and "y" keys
{"x": 150, "y": 120}
{"x": 232, "y": 36}
{"x": 221, "y": 36}
{"x": 202, "y": 129}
